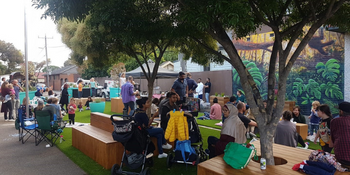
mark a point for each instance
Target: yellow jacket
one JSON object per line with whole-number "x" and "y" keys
{"x": 177, "y": 127}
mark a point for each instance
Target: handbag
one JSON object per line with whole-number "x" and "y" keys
{"x": 238, "y": 156}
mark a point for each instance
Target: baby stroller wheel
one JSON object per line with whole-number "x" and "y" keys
{"x": 114, "y": 170}
{"x": 146, "y": 171}
{"x": 169, "y": 160}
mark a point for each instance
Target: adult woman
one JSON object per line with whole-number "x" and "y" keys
{"x": 286, "y": 132}
{"x": 240, "y": 96}
{"x": 6, "y": 105}
{"x": 324, "y": 132}
{"x": 122, "y": 79}
{"x": 64, "y": 97}
{"x": 142, "y": 119}
{"x": 93, "y": 86}
{"x": 233, "y": 130}
{"x": 297, "y": 117}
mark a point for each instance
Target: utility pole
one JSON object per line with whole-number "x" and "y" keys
{"x": 47, "y": 61}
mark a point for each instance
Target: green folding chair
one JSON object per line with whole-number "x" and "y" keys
{"x": 47, "y": 130}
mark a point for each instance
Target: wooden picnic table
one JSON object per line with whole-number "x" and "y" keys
{"x": 292, "y": 155}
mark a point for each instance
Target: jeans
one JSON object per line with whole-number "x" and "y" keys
{"x": 93, "y": 92}
{"x": 80, "y": 94}
{"x": 9, "y": 109}
{"x": 207, "y": 97}
{"x": 159, "y": 134}
{"x": 200, "y": 96}
{"x": 15, "y": 104}
{"x": 71, "y": 118}
{"x": 205, "y": 117}
{"x": 130, "y": 104}
{"x": 318, "y": 168}
{"x": 312, "y": 128}
{"x": 211, "y": 146}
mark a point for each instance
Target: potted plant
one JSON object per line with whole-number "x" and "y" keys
{"x": 97, "y": 105}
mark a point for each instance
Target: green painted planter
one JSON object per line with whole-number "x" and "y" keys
{"x": 97, "y": 107}
{"x": 70, "y": 92}
{"x": 114, "y": 92}
{"x": 31, "y": 95}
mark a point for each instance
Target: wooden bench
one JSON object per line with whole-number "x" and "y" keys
{"x": 83, "y": 100}
{"x": 96, "y": 141}
{"x": 293, "y": 156}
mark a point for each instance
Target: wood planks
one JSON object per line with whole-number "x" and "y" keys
{"x": 293, "y": 156}
{"x": 302, "y": 129}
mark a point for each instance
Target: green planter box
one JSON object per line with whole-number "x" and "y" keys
{"x": 31, "y": 95}
{"x": 114, "y": 92}
{"x": 97, "y": 107}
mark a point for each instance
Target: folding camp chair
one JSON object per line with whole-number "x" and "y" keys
{"x": 26, "y": 127}
{"x": 48, "y": 130}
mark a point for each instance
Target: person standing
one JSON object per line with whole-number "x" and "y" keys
{"x": 93, "y": 86}
{"x": 199, "y": 88}
{"x": 6, "y": 105}
{"x": 2, "y": 81}
{"x": 314, "y": 118}
{"x": 122, "y": 79}
{"x": 192, "y": 85}
{"x": 128, "y": 96}
{"x": 71, "y": 113}
{"x": 180, "y": 87}
{"x": 64, "y": 97}
{"x": 15, "y": 101}
{"x": 340, "y": 134}
{"x": 324, "y": 130}
{"x": 207, "y": 87}
{"x": 80, "y": 88}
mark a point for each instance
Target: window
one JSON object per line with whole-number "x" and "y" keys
{"x": 248, "y": 39}
{"x": 272, "y": 34}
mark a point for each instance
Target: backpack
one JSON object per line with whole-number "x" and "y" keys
{"x": 183, "y": 149}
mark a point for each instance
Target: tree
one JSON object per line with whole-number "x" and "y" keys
{"x": 11, "y": 56}
{"x": 68, "y": 62}
{"x": 292, "y": 22}
{"x": 31, "y": 70}
{"x": 52, "y": 68}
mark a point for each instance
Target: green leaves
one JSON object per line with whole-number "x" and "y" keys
{"x": 253, "y": 70}
{"x": 330, "y": 70}
{"x": 332, "y": 90}
{"x": 307, "y": 100}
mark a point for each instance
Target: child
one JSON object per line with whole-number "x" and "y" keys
{"x": 314, "y": 119}
{"x": 80, "y": 106}
{"x": 87, "y": 103}
{"x": 55, "y": 104}
{"x": 23, "y": 107}
{"x": 12, "y": 91}
{"x": 324, "y": 132}
{"x": 71, "y": 111}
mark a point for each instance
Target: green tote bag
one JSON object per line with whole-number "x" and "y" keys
{"x": 237, "y": 155}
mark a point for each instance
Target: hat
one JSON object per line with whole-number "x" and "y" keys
{"x": 344, "y": 106}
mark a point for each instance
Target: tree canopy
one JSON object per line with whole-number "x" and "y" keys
{"x": 11, "y": 56}
{"x": 195, "y": 24}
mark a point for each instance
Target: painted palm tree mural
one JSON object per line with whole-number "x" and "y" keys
{"x": 316, "y": 75}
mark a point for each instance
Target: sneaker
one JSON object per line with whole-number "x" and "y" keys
{"x": 6, "y": 120}
{"x": 164, "y": 155}
{"x": 149, "y": 155}
{"x": 12, "y": 120}
{"x": 167, "y": 146}
{"x": 306, "y": 145}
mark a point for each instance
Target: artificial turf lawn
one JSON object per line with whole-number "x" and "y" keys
{"x": 91, "y": 167}
{"x": 159, "y": 167}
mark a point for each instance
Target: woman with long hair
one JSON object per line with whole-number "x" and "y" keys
{"x": 64, "y": 97}
{"x": 6, "y": 106}
{"x": 324, "y": 130}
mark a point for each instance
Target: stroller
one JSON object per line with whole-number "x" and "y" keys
{"x": 137, "y": 144}
{"x": 196, "y": 143}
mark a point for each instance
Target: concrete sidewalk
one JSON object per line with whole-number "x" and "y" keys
{"x": 17, "y": 158}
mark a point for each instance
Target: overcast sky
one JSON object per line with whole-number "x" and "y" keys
{"x": 12, "y": 31}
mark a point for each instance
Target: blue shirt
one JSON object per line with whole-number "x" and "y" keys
{"x": 16, "y": 88}
{"x": 180, "y": 87}
{"x": 92, "y": 84}
{"x": 127, "y": 92}
{"x": 192, "y": 85}
{"x": 141, "y": 118}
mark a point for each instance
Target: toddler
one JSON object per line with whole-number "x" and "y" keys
{"x": 80, "y": 106}
{"x": 71, "y": 111}
{"x": 314, "y": 119}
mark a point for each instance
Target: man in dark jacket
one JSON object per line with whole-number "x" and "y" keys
{"x": 192, "y": 85}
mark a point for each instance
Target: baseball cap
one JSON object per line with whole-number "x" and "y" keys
{"x": 344, "y": 106}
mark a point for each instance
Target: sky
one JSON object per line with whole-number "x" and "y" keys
{"x": 12, "y": 31}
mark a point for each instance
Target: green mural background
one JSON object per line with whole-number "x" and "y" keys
{"x": 318, "y": 73}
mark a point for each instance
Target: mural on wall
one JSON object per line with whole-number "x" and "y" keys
{"x": 318, "y": 73}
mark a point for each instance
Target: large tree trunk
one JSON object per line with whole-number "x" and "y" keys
{"x": 266, "y": 143}
{"x": 150, "y": 94}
